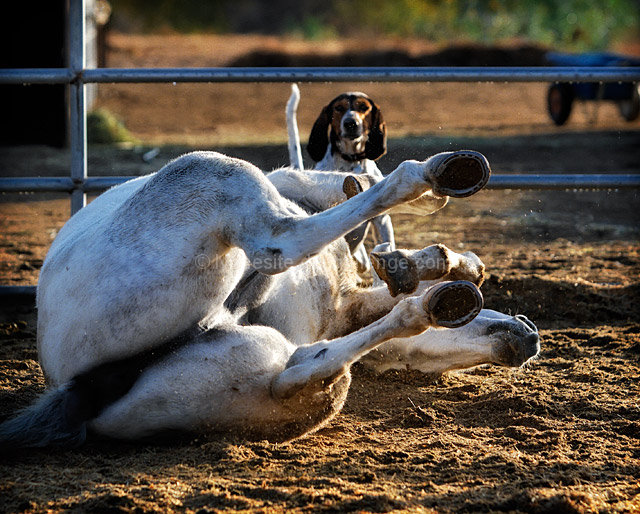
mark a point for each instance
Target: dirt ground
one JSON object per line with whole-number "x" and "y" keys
{"x": 561, "y": 434}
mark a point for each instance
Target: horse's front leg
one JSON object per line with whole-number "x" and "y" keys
{"x": 491, "y": 338}
{"x": 321, "y": 364}
{"x": 403, "y": 270}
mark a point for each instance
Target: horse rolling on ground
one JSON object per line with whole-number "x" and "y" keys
{"x": 204, "y": 299}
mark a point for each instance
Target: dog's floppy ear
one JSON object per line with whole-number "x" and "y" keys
{"x": 376, "y": 145}
{"x": 319, "y": 137}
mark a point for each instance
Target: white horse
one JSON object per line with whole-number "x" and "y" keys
{"x": 201, "y": 299}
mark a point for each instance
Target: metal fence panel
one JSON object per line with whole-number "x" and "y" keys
{"x": 538, "y": 181}
{"x": 324, "y": 74}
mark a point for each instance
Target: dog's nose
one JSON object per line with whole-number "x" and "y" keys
{"x": 350, "y": 124}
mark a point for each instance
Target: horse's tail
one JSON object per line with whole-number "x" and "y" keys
{"x": 60, "y": 416}
{"x": 295, "y": 152}
{"x": 47, "y": 422}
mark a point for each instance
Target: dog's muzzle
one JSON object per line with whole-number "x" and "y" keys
{"x": 351, "y": 128}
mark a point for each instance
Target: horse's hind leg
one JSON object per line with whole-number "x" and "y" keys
{"x": 252, "y": 381}
{"x": 218, "y": 382}
{"x": 276, "y": 240}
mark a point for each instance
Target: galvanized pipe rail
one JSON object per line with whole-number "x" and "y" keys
{"x": 322, "y": 74}
{"x": 77, "y": 76}
{"x": 538, "y": 181}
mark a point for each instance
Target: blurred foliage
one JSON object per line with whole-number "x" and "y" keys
{"x": 179, "y": 15}
{"x": 568, "y": 24}
{"x": 104, "y": 128}
{"x": 576, "y": 24}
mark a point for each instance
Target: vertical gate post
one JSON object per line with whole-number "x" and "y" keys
{"x": 78, "y": 110}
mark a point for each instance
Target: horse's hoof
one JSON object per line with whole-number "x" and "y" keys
{"x": 397, "y": 271}
{"x": 453, "y": 304}
{"x": 355, "y": 184}
{"x": 460, "y": 174}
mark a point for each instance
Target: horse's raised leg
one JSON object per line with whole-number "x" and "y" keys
{"x": 403, "y": 270}
{"x": 291, "y": 241}
{"x": 450, "y": 174}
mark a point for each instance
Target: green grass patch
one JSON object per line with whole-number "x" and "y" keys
{"x": 103, "y": 127}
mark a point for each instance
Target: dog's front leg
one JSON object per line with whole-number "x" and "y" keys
{"x": 384, "y": 230}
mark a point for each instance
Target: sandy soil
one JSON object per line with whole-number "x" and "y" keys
{"x": 559, "y": 435}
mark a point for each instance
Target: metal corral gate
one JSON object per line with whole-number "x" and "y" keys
{"x": 76, "y": 76}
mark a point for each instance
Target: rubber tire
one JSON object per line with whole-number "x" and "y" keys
{"x": 559, "y": 102}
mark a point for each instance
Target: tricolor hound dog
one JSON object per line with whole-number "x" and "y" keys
{"x": 349, "y": 135}
{"x": 204, "y": 299}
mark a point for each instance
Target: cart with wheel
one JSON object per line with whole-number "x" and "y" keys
{"x": 561, "y": 95}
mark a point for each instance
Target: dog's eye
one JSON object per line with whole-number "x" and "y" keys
{"x": 339, "y": 108}
{"x": 362, "y": 107}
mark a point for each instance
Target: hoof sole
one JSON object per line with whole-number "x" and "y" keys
{"x": 453, "y": 304}
{"x": 351, "y": 186}
{"x": 461, "y": 174}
